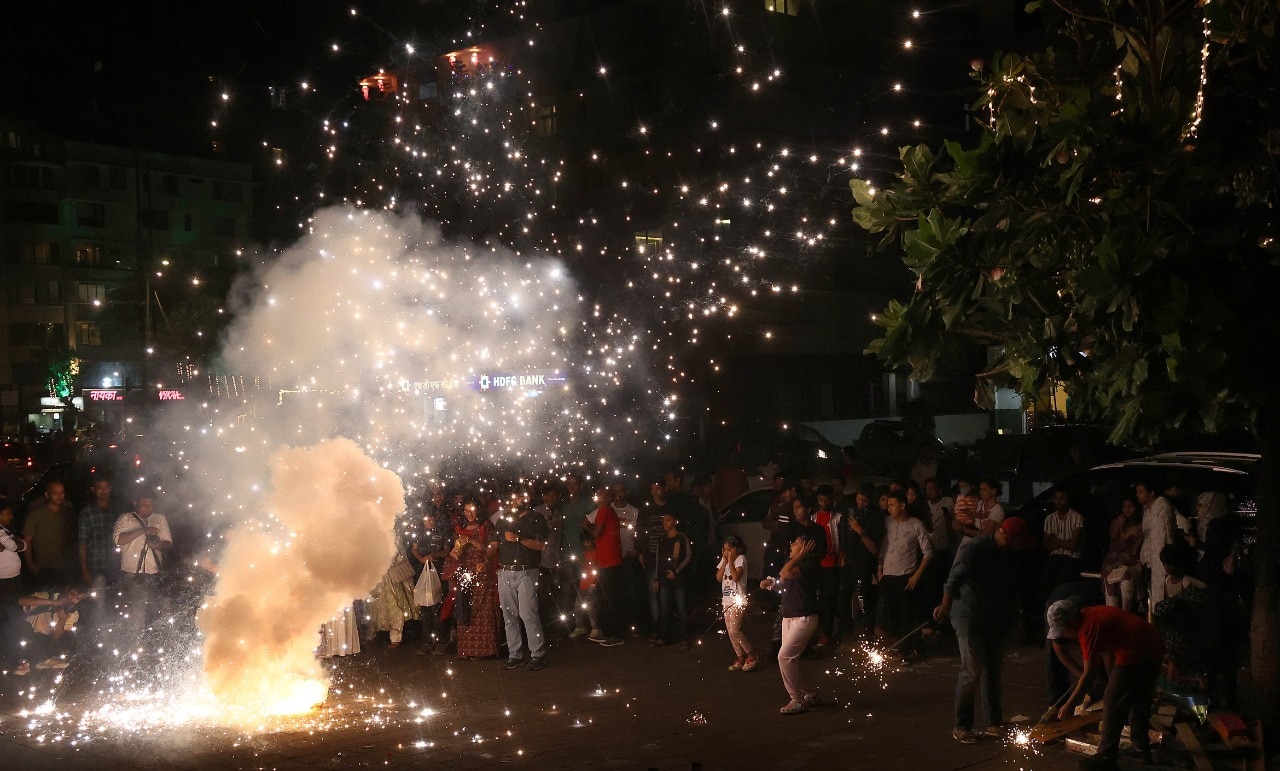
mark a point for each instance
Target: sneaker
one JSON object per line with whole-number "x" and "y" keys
{"x": 578, "y": 631}
{"x": 736, "y": 666}
{"x": 535, "y": 663}
{"x": 1141, "y": 757}
{"x": 794, "y": 707}
{"x": 596, "y": 635}
{"x": 23, "y": 669}
{"x": 513, "y": 664}
{"x": 610, "y": 642}
{"x": 991, "y": 732}
{"x": 750, "y": 663}
{"x": 964, "y": 736}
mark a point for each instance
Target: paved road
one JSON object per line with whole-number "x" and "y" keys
{"x": 631, "y": 706}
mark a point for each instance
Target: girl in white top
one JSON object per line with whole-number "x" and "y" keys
{"x": 732, "y": 575}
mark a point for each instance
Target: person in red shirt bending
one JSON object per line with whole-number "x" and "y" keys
{"x": 1134, "y": 650}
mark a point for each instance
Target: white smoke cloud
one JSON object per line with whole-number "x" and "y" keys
{"x": 326, "y": 540}
{"x": 380, "y": 350}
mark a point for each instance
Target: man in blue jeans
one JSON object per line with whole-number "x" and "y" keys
{"x": 521, "y": 535}
{"x": 982, "y": 611}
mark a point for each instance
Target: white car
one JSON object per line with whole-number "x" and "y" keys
{"x": 744, "y": 517}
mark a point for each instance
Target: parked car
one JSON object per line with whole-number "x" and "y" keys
{"x": 797, "y": 448}
{"x": 17, "y": 456}
{"x": 890, "y": 447}
{"x": 1028, "y": 464}
{"x": 1097, "y": 493}
{"x": 744, "y": 517}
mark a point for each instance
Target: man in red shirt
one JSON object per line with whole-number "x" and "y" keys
{"x": 1135, "y": 651}
{"x": 604, "y": 526}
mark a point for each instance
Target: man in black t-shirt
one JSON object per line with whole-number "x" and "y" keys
{"x": 521, "y": 535}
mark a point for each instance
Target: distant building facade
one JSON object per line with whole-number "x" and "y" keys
{"x": 88, "y": 232}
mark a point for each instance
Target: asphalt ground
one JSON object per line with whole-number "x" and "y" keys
{"x": 625, "y": 707}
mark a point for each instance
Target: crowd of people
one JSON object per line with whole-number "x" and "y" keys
{"x": 495, "y": 573}
{"x": 66, "y": 571}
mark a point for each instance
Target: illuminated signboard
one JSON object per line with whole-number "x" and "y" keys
{"x": 489, "y": 382}
{"x": 171, "y": 395}
{"x": 104, "y": 394}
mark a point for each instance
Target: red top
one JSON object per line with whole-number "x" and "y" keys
{"x": 823, "y": 518}
{"x": 609, "y": 542}
{"x": 1128, "y": 637}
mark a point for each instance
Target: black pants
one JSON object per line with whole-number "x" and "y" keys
{"x": 1130, "y": 691}
{"x": 613, "y": 599}
{"x": 857, "y": 601}
{"x": 1058, "y": 569}
{"x": 899, "y": 610}
{"x": 828, "y": 600}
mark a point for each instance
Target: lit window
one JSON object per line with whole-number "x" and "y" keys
{"x": 88, "y": 293}
{"x": 785, "y": 7}
{"x": 649, "y": 241}
{"x": 88, "y": 333}
{"x": 545, "y": 122}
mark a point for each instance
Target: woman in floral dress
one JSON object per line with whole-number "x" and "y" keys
{"x": 473, "y": 586}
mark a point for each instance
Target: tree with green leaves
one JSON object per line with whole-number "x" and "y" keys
{"x": 1113, "y": 229}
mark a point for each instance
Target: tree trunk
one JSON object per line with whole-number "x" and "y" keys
{"x": 1264, "y": 636}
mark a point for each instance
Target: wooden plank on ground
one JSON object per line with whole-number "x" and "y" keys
{"x": 1189, "y": 740}
{"x": 1051, "y": 731}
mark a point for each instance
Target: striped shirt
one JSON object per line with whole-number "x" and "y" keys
{"x": 1063, "y": 527}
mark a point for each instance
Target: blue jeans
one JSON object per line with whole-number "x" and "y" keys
{"x": 667, "y": 603}
{"x": 518, "y": 595}
{"x": 981, "y": 655}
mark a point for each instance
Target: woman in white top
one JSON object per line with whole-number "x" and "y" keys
{"x": 989, "y": 515}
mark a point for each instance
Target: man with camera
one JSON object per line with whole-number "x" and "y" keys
{"x": 143, "y": 537}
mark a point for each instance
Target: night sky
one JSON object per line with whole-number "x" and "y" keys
{"x": 151, "y": 72}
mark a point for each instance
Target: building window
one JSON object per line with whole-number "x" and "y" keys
{"x": 48, "y": 292}
{"x": 785, "y": 7}
{"x": 88, "y": 333}
{"x": 232, "y": 192}
{"x": 224, "y": 226}
{"x": 90, "y": 175}
{"x": 15, "y": 141}
{"x": 545, "y": 121}
{"x": 91, "y": 293}
{"x": 22, "y": 293}
{"x": 117, "y": 178}
{"x": 31, "y": 213}
{"x": 186, "y": 221}
{"x": 170, "y": 184}
{"x": 33, "y": 334}
{"x": 89, "y": 254}
{"x": 42, "y": 253}
{"x": 28, "y": 177}
{"x": 91, "y": 215}
{"x": 153, "y": 219}
{"x": 648, "y": 241}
